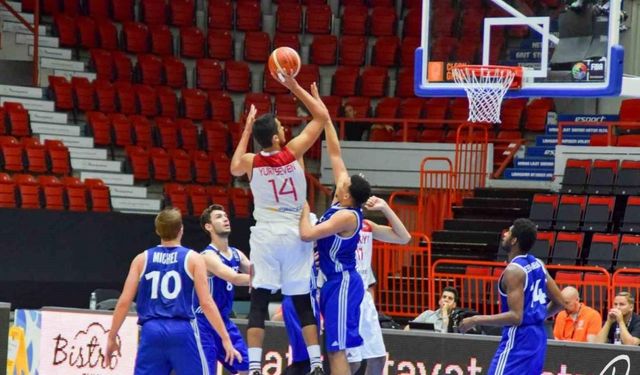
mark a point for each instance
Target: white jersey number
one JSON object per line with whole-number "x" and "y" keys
{"x": 538, "y": 295}
{"x": 164, "y": 284}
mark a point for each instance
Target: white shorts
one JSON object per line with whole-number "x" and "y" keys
{"x": 370, "y": 331}
{"x": 281, "y": 260}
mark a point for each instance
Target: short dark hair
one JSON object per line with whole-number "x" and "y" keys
{"x": 360, "y": 190}
{"x": 205, "y": 217}
{"x": 264, "y": 128}
{"x": 525, "y": 231}
{"x": 454, "y": 291}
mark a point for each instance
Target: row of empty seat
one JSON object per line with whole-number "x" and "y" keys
{"x": 601, "y": 177}
{"x": 193, "y": 199}
{"x": 29, "y": 155}
{"x": 51, "y": 193}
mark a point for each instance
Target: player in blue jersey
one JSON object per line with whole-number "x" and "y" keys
{"x": 337, "y": 236}
{"x": 165, "y": 277}
{"x": 227, "y": 266}
{"x": 525, "y": 289}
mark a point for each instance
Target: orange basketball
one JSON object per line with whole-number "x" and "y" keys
{"x": 285, "y": 59}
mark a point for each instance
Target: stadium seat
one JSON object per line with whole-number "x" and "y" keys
{"x": 187, "y": 134}
{"x": 153, "y": 12}
{"x": 182, "y": 12}
{"x": 221, "y": 164}
{"x": 385, "y": 51}
{"x": 354, "y": 20}
{"x": 12, "y": 154}
{"x": 241, "y": 200}
{"x": 237, "y": 76}
{"x": 121, "y": 128}
{"x": 412, "y": 23}
{"x": 373, "y": 82}
{"x": 167, "y": 133}
{"x": 318, "y": 19}
{"x": 174, "y": 72}
{"x": 601, "y": 177}
{"x": 261, "y": 101}
{"x": 98, "y": 8}
{"x": 388, "y": 107}
{"x": 220, "y": 15}
{"x": 567, "y": 248}
{"x": 208, "y": 75}
{"x": 215, "y": 136}
{"x": 629, "y": 251}
{"x": 176, "y": 197}
{"x": 99, "y": 128}
{"x": 135, "y": 37}
{"x": 99, "y": 195}
{"x": 219, "y": 195}
{"x": 161, "y": 40}
{"x": 576, "y": 173}
{"x": 142, "y": 131}
{"x": 167, "y": 101}
{"x": 64, "y": 27}
{"x": 323, "y": 49}
{"x": 383, "y": 21}
{"x": 105, "y": 96}
{"x": 146, "y": 100}
{"x": 18, "y": 120}
{"x": 107, "y": 35}
{"x": 201, "y": 167}
{"x": 597, "y": 214}
{"x": 198, "y": 199}
{"x": 570, "y": 212}
{"x": 286, "y": 106}
{"x": 160, "y": 164}
{"x": 125, "y": 98}
{"x": 257, "y": 46}
{"x": 404, "y": 83}
{"x": 543, "y": 210}
{"x": 71, "y": 7}
{"x": 192, "y": 41}
{"x": 53, "y": 192}
{"x": 76, "y": 194}
{"x": 542, "y": 247}
{"x": 286, "y": 40}
{"x": 407, "y": 51}
{"x": 333, "y": 104}
{"x": 61, "y": 92}
{"x": 629, "y": 113}
{"x": 289, "y": 19}
{"x": 123, "y": 67}
{"x": 352, "y": 50}
{"x": 101, "y": 62}
{"x": 536, "y": 114}
{"x": 138, "y": 162}
{"x": 181, "y": 164}
{"x": 309, "y": 73}
{"x": 628, "y": 178}
{"x": 28, "y": 191}
{"x": 595, "y": 293}
{"x": 7, "y": 191}
{"x": 436, "y": 109}
{"x": 345, "y": 81}
{"x": 248, "y": 16}
{"x": 603, "y": 250}
{"x": 58, "y": 157}
{"x": 273, "y": 86}
{"x": 511, "y": 114}
{"x": 149, "y": 70}
{"x": 87, "y": 32}
{"x": 631, "y": 220}
{"x": 221, "y": 107}
{"x": 193, "y": 104}
{"x": 220, "y": 45}
{"x": 36, "y": 155}
{"x": 568, "y": 278}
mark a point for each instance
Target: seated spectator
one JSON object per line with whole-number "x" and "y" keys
{"x": 441, "y": 317}
{"x": 622, "y": 319}
{"x": 354, "y": 129}
{"x": 578, "y": 322}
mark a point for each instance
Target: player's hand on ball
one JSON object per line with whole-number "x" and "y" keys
{"x": 231, "y": 355}
{"x": 467, "y": 324}
{"x": 286, "y": 78}
{"x": 251, "y": 118}
{"x": 375, "y": 204}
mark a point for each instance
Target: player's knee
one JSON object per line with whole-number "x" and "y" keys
{"x": 304, "y": 309}
{"x": 259, "y": 309}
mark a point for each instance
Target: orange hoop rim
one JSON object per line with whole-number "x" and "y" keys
{"x": 490, "y": 70}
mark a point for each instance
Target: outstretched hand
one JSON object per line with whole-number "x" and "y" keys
{"x": 251, "y": 118}
{"x": 375, "y": 204}
{"x": 316, "y": 95}
{"x": 286, "y": 78}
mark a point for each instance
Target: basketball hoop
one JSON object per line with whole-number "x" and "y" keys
{"x": 486, "y": 86}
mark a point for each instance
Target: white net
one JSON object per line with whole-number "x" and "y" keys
{"x": 485, "y": 88}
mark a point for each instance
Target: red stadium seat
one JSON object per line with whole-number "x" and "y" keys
{"x": 149, "y": 70}
{"x": 142, "y": 131}
{"x": 323, "y": 49}
{"x": 220, "y": 15}
{"x": 122, "y": 10}
{"x": 161, "y": 40}
{"x": 64, "y": 27}
{"x": 167, "y": 101}
{"x": 221, "y": 107}
{"x": 147, "y": 100}
{"x": 220, "y": 43}
{"x": 121, "y": 130}
{"x": 71, "y": 7}
{"x": 87, "y": 32}
{"x": 215, "y": 135}
{"x": 53, "y": 192}
{"x": 18, "y": 120}
{"x": 76, "y": 194}
{"x": 385, "y": 51}
{"x": 194, "y": 104}
{"x": 7, "y": 191}
{"x": 361, "y": 105}
{"x": 58, "y": 156}
{"x": 241, "y": 199}
{"x": 99, "y": 195}
{"x": 105, "y": 95}
{"x": 404, "y": 83}
{"x": 135, "y": 37}
{"x": 201, "y": 167}
{"x": 374, "y": 82}
{"x": 188, "y": 134}
{"x": 28, "y": 191}
{"x": 83, "y": 94}
{"x": 192, "y": 42}
{"x": 511, "y": 114}
{"x": 319, "y": 19}
{"x": 36, "y": 155}
{"x": 125, "y": 98}
{"x": 262, "y": 102}
{"x": 289, "y": 19}
{"x": 209, "y": 75}
{"x": 238, "y": 76}
{"x": 248, "y": 16}
{"x": 181, "y": 164}
{"x": 345, "y": 81}
{"x": 153, "y": 12}
{"x": 407, "y": 51}
{"x": 334, "y": 104}
{"x": 257, "y": 46}
{"x": 308, "y": 74}
{"x": 100, "y": 128}
{"x": 352, "y": 50}
{"x": 219, "y": 195}
{"x": 176, "y": 197}
{"x": 383, "y": 21}
{"x": 354, "y": 20}
{"x": 286, "y": 105}
{"x": 174, "y": 72}
{"x": 199, "y": 199}
{"x": 160, "y": 164}
{"x": 62, "y": 93}
{"x": 273, "y": 86}
{"x": 98, "y": 8}
{"x": 101, "y": 62}
{"x": 12, "y": 154}
{"x": 167, "y": 131}
{"x": 536, "y": 114}
{"x": 107, "y": 35}
{"x": 412, "y": 23}
{"x": 221, "y": 164}
{"x": 286, "y": 40}
{"x": 182, "y": 12}
{"x": 388, "y": 108}
{"x": 124, "y": 67}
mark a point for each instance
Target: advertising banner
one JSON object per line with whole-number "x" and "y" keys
{"x": 73, "y": 342}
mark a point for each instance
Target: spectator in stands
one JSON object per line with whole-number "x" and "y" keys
{"x": 354, "y": 129}
{"x": 578, "y": 322}
{"x": 441, "y": 317}
{"x": 622, "y": 325}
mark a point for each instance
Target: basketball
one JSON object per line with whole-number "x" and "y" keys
{"x": 285, "y": 59}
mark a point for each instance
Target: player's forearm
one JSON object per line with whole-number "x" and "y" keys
{"x": 241, "y": 150}
{"x": 553, "y": 308}
{"x": 242, "y": 279}
{"x": 212, "y": 314}
{"x": 401, "y": 233}
{"x": 603, "y": 335}
{"x": 509, "y": 318}
{"x": 119, "y": 314}
{"x": 305, "y": 227}
{"x": 317, "y": 110}
{"x": 333, "y": 143}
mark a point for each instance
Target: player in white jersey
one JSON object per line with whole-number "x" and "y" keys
{"x": 373, "y": 349}
{"x": 281, "y": 259}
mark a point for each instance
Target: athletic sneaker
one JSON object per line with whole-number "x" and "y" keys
{"x": 256, "y": 372}
{"x": 317, "y": 371}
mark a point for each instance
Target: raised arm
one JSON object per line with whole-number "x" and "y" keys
{"x": 396, "y": 232}
{"x": 216, "y": 267}
{"x": 124, "y": 303}
{"x": 301, "y": 143}
{"x": 341, "y": 222}
{"x": 242, "y": 161}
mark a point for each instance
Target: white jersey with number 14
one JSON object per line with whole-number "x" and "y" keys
{"x": 364, "y": 253}
{"x": 278, "y": 186}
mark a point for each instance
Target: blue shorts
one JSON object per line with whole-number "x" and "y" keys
{"x": 340, "y": 299}
{"x": 167, "y": 344}
{"x": 299, "y": 351}
{"x": 521, "y": 351}
{"x": 213, "y": 349}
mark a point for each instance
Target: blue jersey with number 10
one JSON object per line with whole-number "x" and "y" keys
{"x": 535, "y": 290}
{"x": 166, "y": 287}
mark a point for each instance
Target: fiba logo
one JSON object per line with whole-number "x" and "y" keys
{"x": 620, "y": 365}
{"x": 579, "y": 71}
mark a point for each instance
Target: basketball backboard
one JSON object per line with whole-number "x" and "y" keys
{"x": 564, "y": 52}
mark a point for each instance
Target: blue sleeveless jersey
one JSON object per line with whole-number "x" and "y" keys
{"x": 535, "y": 290}
{"x": 221, "y": 290}
{"x": 166, "y": 287}
{"x": 338, "y": 254}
